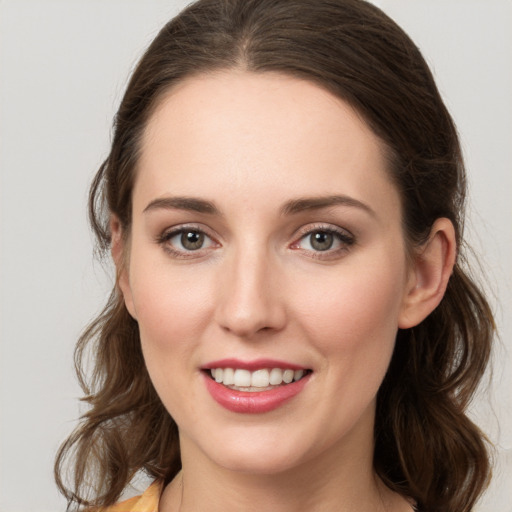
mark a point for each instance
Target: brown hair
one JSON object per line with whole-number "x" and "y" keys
{"x": 425, "y": 445}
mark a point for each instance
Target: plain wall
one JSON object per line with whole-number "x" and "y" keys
{"x": 63, "y": 67}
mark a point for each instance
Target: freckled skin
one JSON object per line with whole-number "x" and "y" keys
{"x": 249, "y": 143}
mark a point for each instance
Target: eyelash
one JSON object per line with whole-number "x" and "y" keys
{"x": 344, "y": 238}
{"x": 165, "y": 238}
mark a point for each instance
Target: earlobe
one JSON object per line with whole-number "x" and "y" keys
{"x": 432, "y": 268}
{"x": 119, "y": 253}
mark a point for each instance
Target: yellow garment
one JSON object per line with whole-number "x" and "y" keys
{"x": 147, "y": 502}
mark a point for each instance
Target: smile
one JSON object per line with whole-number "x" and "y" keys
{"x": 254, "y": 387}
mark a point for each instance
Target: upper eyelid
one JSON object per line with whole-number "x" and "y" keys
{"x": 310, "y": 228}
{"x": 179, "y": 228}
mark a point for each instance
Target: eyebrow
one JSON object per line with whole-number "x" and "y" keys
{"x": 317, "y": 203}
{"x": 291, "y": 207}
{"x": 183, "y": 203}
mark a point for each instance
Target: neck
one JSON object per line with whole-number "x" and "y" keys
{"x": 339, "y": 480}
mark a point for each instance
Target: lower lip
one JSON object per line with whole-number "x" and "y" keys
{"x": 256, "y": 402}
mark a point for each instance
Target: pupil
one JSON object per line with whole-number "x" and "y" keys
{"x": 321, "y": 240}
{"x": 192, "y": 240}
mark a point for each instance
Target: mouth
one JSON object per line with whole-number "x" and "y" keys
{"x": 254, "y": 387}
{"x": 262, "y": 379}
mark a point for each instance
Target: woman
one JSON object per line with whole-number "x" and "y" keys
{"x": 293, "y": 325}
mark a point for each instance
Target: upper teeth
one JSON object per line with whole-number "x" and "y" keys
{"x": 259, "y": 379}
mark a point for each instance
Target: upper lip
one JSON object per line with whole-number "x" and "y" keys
{"x": 255, "y": 364}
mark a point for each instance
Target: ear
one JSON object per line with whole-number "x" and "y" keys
{"x": 119, "y": 251}
{"x": 431, "y": 269}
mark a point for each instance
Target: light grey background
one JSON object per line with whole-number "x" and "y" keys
{"x": 63, "y": 67}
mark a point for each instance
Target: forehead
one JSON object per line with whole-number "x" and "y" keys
{"x": 256, "y": 135}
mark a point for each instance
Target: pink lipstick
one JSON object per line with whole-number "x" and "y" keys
{"x": 252, "y": 365}
{"x": 235, "y": 384}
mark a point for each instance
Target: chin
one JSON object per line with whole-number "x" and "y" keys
{"x": 258, "y": 464}
{"x": 258, "y": 455}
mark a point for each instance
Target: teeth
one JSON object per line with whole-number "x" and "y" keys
{"x": 276, "y": 376}
{"x": 228, "y": 377}
{"x": 242, "y": 378}
{"x": 288, "y": 376}
{"x": 258, "y": 379}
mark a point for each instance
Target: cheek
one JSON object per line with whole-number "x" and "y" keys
{"x": 172, "y": 306}
{"x": 355, "y": 310}
{"x": 172, "y": 312}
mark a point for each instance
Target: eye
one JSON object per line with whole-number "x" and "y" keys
{"x": 190, "y": 240}
{"x": 321, "y": 240}
{"x": 325, "y": 240}
{"x": 183, "y": 241}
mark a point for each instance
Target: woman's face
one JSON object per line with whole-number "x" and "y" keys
{"x": 266, "y": 237}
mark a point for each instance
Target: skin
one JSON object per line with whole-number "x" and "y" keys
{"x": 250, "y": 144}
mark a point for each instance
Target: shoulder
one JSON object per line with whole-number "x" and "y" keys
{"x": 147, "y": 502}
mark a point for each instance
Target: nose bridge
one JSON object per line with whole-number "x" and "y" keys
{"x": 250, "y": 299}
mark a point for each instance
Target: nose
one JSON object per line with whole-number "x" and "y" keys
{"x": 250, "y": 298}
